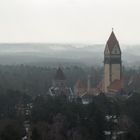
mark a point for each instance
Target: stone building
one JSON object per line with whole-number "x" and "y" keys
{"x": 59, "y": 87}
{"x": 112, "y": 65}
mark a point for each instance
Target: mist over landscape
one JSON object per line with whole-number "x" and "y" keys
{"x": 69, "y": 70}
{"x": 63, "y": 54}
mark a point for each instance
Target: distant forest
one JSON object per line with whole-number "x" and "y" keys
{"x": 35, "y": 80}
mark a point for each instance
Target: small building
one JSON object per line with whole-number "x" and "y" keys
{"x": 59, "y": 87}
{"x": 80, "y": 88}
{"x": 84, "y": 91}
{"x": 86, "y": 98}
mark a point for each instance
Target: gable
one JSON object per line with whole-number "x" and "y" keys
{"x": 116, "y": 49}
{"x": 106, "y": 52}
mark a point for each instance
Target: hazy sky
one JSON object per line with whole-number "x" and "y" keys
{"x": 72, "y": 21}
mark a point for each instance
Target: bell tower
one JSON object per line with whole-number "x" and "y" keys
{"x": 112, "y": 61}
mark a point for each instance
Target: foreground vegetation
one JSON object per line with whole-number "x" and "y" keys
{"x": 57, "y": 118}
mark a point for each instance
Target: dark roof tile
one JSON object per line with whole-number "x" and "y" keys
{"x": 112, "y": 41}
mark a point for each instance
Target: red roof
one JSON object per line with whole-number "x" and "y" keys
{"x": 112, "y": 41}
{"x": 79, "y": 84}
{"x": 59, "y": 75}
{"x": 99, "y": 86}
{"x": 116, "y": 85}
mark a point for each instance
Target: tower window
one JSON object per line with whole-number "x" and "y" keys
{"x": 116, "y": 51}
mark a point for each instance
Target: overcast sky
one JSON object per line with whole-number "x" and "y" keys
{"x": 69, "y": 21}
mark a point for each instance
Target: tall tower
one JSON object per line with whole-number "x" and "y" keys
{"x": 112, "y": 61}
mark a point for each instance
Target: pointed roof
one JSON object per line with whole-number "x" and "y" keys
{"x": 112, "y": 41}
{"x": 59, "y": 75}
{"x": 80, "y": 84}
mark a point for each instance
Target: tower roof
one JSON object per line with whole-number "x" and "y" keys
{"x": 59, "y": 75}
{"x": 112, "y": 41}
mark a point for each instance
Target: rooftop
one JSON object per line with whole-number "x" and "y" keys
{"x": 59, "y": 75}
{"x": 112, "y": 41}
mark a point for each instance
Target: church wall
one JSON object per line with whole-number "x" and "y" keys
{"x": 106, "y": 76}
{"x": 116, "y": 72}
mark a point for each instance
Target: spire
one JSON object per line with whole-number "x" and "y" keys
{"x": 112, "y": 41}
{"x": 112, "y": 29}
{"x": 59, "y": 75}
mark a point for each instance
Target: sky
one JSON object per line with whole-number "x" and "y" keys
{"x": 69, "y": 21}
